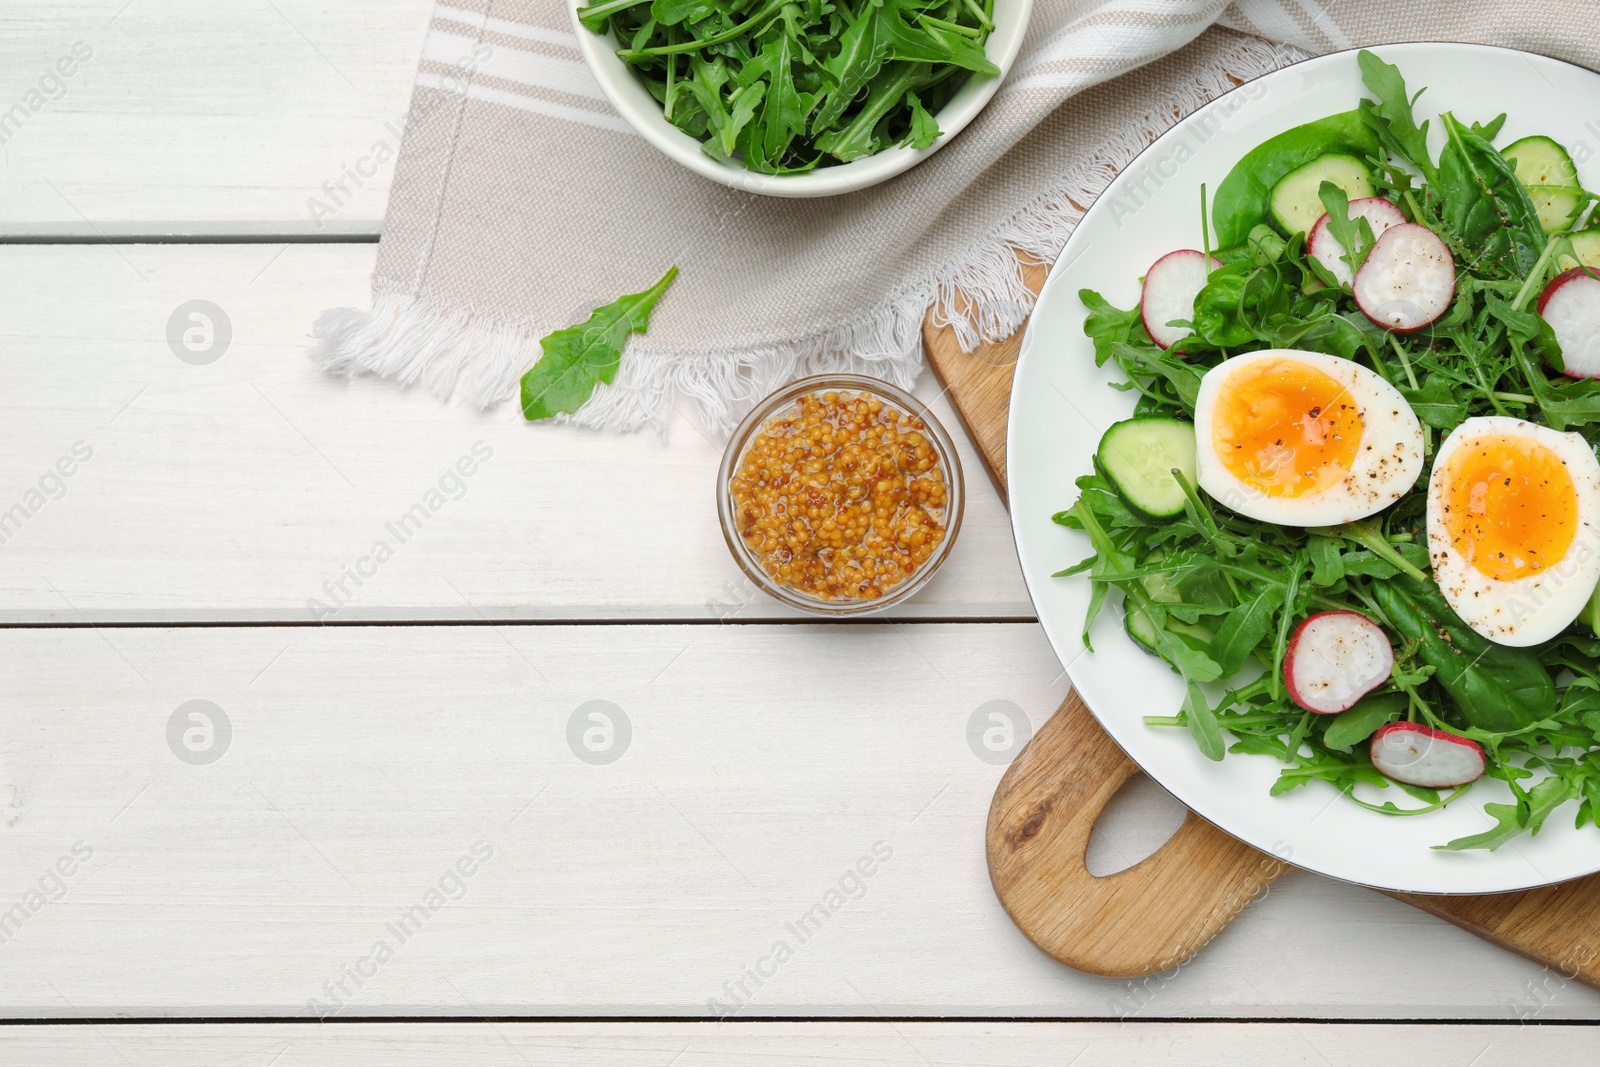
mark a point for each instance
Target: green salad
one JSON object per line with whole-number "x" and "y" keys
{"x": 787, "y": 86}
{"x": 1357, "y": 508}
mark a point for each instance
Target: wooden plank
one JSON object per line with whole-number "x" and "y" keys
{"x": 193, "y": 117}
{"x": 917, "y": 1044}
{"x": 234, "y": 491}
{"x": 764, "y": 765}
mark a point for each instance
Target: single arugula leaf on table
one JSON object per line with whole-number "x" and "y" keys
{"x": 578, "y": 358}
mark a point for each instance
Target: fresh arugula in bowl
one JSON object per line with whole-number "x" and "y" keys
{"x": 787, "y": 86}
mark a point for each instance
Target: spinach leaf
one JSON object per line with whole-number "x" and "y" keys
{"x": 1355, "y": 725}
{"x": 1483, "y": 205}
{"x": 1240, "y": 202}
{"x": 1498, "y": 688}
{"x": 579, "y": 357}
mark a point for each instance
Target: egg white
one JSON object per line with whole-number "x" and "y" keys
{"x": 1387, "y": 464}
{"x": 1522, "y": 611}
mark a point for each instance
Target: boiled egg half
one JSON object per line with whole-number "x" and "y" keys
{"x": 1304, "y": 439}
{"x": 1514, "y": 527}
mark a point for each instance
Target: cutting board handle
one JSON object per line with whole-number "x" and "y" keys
{"x": 1147, "y": 918}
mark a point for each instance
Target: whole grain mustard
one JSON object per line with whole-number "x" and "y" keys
{"x": 841, "y": 497}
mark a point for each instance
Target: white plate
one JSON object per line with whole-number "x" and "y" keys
{"x": 1061, "y": 403}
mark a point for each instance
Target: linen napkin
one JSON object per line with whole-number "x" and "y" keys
{"x": 521, "y": 200}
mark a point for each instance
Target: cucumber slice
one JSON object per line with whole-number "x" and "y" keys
{"x": 1587, "y": 245}
{"x": 1540, "y": 161}
{"x": 1557, "y": 205}
{"x": 1160, "y": 586}
{"x": 1137, "y": 458}
{"x": 1142, "y": 629}
{"x": 1294, "y": 202}
{"x": 1590, "y": 616}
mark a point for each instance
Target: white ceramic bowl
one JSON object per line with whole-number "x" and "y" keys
{"x": 634, "y": 102}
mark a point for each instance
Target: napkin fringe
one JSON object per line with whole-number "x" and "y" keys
{"x": 983, "y": 298}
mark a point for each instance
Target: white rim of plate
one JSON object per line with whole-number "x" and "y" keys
{"x": 1040, "y": 572}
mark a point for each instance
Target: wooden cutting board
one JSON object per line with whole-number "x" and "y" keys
{"x": 1162, "y": 910}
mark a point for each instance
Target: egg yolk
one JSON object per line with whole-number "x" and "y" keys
{"x": 1510, "y": 506}
{"x": 1285, "y": 428}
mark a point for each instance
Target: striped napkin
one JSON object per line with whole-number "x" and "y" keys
{"x": 521, "y": 200}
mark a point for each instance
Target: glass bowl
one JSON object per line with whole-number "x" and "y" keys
{"x": 781, "y": 401}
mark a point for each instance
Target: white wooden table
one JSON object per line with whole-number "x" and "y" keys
{"x": 167, "y": 911}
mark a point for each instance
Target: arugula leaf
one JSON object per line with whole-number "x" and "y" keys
{"x": 1390, "y": 116}
{"x": 924, "y": 127}
{"x": 1327, "y": 560}
{"x": 1107, "y": 325}
{"x": 1202, "y": 723}
{"x": 859, "y": 137}
{"x": 786, "y": 86}
{"x": 1436, "y": 403}
{"x": 575, "y": 359}
{"x": 1242, "y": 631}
{"x": 1185, "y": 380}
{"x": 784, "y": 109}
{"x": 1491, "y": 129}
{"x": 1513, "y": 820}
{"x": 862, "y": 51}
{"x": 673, "y": 12}
{"x": 1353, "y": 235}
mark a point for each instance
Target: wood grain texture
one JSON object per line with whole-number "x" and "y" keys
{"x": 1167, "y": 907}
{"x": 1149, "y": 917}
{"x": 1558, "y": 925}
{"x": 762, "y": 763}
{"x": 192, "y": 117}
{"x": 783, "y": 1044}
{"x": 232, "y": 492}
{"x": 978, "y": 383}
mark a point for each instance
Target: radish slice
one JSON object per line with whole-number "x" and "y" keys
{"x": 1571, "y": 305}
{"x": 1420, "y": 755}
{"x": 1325, "y": 248}
{"x": 1334, "y": 659}
{"x": 1170, "y": 286}
{"x": 1407, "y": 280}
